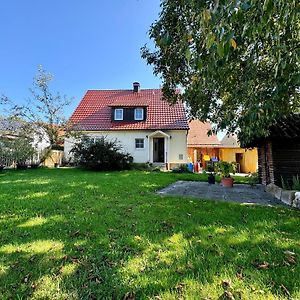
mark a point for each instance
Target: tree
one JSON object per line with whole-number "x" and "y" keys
{"x": 43, "y": 111}
{"x": 237, "y": 61}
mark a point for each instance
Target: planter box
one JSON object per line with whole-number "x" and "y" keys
{"x": 275, "y": 190}
{"x": 291, "y": 198}
{"x": 287, "y": 197}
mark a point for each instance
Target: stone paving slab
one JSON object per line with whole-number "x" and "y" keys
{"x": 241, "y": 193}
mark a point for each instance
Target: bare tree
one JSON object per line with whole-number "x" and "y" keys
{"x": 43, "y": 110}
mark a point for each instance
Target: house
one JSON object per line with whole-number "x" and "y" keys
{"x": 206, "y": 148}
{"x": 231, "y": 151}
{"x": 147, "y": 127}
{"x": 279, "y": 152}
{"x": 14, "y": 128}
{"x": 201, "y": 146}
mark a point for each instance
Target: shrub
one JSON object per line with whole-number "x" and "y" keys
{"x": 296, "y": 183}
{"x": 18, "y": 149}
{"x": 181, "y": 169}
{"x": 210, "y": 168}
{"x": 253, "y": 178}
{"x": 140, "y": 166}
{"x": 293, "y": 184}
{"x": 101, "y": 154}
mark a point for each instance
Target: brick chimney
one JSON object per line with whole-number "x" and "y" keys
{"x": 136, "y": 87}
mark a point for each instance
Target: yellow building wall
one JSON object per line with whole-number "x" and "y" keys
{"x": 249, "y": 162}
{"x": 55, "y": 158}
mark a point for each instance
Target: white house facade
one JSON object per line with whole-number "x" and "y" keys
{"x": 147, "y": 127}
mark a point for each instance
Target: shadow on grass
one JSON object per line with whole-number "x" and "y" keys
{"x": 107, "y": 236}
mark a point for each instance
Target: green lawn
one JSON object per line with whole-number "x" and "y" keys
{"x": 72, "y": 234}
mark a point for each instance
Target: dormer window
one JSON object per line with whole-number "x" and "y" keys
{"x": 139, "y": 114}
{"x": 119, "y": 114}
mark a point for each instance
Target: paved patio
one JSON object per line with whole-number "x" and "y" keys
{"x": 241, "y": 193}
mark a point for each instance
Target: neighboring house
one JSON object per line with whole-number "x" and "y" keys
{"x": 147, "y": 127}
{"x": 206, "y": 148}
{"x": 231, "y": 151}
{"x": 201, "y": 146}
{"x": 279, "y": 153}
{"x": 11, "y": 129}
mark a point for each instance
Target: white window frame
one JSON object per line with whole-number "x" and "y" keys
{"x": 139, "y": 148}
{"x": 135, "y": 112}
{"x": 119, "y": 110}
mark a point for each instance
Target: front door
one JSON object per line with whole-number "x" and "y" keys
{"x": 239, "y": 160}
{"x": 159, "y": 150}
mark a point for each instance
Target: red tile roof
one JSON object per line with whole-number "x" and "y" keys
{"x": 198, "y": 137}
{"x": 94, "y": 111}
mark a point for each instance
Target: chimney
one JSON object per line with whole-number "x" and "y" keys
{"x": 136, "y": 87}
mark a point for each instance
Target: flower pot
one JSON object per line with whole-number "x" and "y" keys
{"x": 211, "y": 179}
{"x": 227, "y": 182}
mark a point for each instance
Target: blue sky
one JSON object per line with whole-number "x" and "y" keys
{"x": 90, "y": 44}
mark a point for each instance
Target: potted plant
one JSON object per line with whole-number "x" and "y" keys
{"x": 225, "y": 168}
{"x": 211, "y": 179}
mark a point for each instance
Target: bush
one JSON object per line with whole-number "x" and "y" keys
{"x": 253, "y": 178}
{"x": 18, "y": 149}
{"x": 101, "y": 154}
{"x": 181, "y": 169}
{"x": 293, "y": 184}
{"x": 141, "y": 166}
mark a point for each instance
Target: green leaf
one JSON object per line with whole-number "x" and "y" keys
{"x": 210, "y": 40}
{"x": 268, "y": 5}
{"x": 220, "y": 49}
{"x": 188, "y": 54}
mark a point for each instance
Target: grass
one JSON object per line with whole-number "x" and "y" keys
{"x": 72, "y": 234}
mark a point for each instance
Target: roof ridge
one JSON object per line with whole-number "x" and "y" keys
{"x": 125, "y": 90}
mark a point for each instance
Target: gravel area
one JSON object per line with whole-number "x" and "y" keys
{"x": 241, "y": 193}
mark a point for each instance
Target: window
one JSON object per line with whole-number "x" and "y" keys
{"x": 119, "y": 114}
{"x": 139, "y": 143}
{"x": 180, "y": 156}
{"x": 139, "y": 114}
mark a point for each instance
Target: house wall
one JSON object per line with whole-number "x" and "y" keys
{"x": 177, "y": 143}
{"x": 249, "y": 162}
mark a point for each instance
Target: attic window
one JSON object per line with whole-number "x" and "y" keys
{"x": 139, "y": 114}
{"x": 119, "y": 114}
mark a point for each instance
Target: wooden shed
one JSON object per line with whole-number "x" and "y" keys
{"x": 279, "y": 153}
